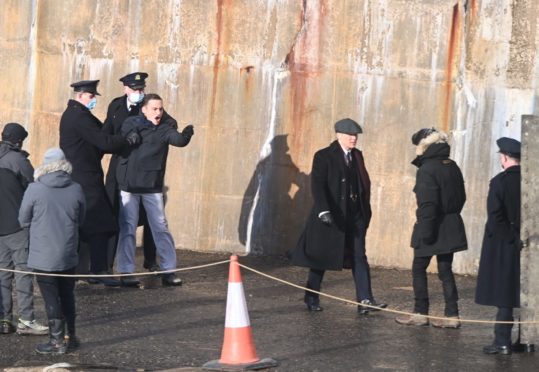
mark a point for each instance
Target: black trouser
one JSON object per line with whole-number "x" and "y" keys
{"x": 95, "y": 248}
{"x": 59, "y": 296}
{"x": 360, "y": 269}
{"x": 502, "y": 332}
{"x": 445, "y": 274}
{"x": 148, "y": 245}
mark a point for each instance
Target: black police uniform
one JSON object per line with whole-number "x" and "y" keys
{"x": 84, "y": 143}
{"x": 498, "y": 279}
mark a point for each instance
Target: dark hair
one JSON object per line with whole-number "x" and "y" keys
{"x": 149, "y": 97}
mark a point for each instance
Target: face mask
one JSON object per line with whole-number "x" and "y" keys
{"x": 136, "y": 97}
{"x": 91, "y": 104}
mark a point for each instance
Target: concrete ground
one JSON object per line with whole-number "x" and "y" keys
{"x": 181, "y": 328}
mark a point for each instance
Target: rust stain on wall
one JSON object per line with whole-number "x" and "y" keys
{"x": 246, "y": 72}
{"x": 219, "y": 47}
{"x": 304, "y": 63}
{"x": 451, "y": 54}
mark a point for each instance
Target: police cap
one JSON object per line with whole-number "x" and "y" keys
{"x": 88, "y": 86}
{"x": 509, "y": 146}
{"x": 347, "y": 126}
{"x": 14, "y": 133}
{"x": 135, "y": 80}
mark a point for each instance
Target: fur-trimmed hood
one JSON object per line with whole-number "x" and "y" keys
{"x": 434, "y": 137}
{"x": 60, "y": 165}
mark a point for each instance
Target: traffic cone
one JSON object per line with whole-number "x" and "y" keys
{"x": 238, "y": 352}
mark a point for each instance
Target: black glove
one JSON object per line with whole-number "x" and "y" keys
{"x": 133, "y": 138}
{"x": 326, "y": 218}
{"x": 188, "y": 131}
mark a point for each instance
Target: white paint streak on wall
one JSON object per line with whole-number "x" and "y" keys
{"x": 32, "y": 65}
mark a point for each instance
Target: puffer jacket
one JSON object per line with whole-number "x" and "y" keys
{"x": 54, "y": 208}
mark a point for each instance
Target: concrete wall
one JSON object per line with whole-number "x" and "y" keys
{"x": 264, "y": 81}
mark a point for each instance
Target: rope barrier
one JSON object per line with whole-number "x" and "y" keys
{"x": 388, "y": 310}
{"x": 379, "y": 308}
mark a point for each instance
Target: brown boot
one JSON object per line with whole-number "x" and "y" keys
{"x": 414, "y": 319}
{"x": 449, "y": 322}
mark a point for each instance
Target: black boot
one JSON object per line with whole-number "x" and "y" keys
{"x": 56, "y": 344}
{"x": 72, "y": 341}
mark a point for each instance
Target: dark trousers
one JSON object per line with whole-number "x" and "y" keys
{"x": 148, "y": 245}
{"x": 445, "y": 274}
{"x": 93, "y": 253}
{"x": 502, "y": 332}
{"x": 360, "y": 270}
{"x": 58, "y": 294}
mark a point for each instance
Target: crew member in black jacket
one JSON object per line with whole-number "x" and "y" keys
{"x": 84, "y": 143}
{"x": 140, "y": 174}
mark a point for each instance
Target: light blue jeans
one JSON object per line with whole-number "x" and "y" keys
{"x": 129, "y": 215}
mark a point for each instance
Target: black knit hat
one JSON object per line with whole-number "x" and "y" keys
{"x": 422, "y": 133}
{"x": 14, "y": 132}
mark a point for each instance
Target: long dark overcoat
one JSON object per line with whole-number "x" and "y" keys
{"x": 84, "y": 143}
{"x": 440, "y": 196}
{"x": 498, "y": 280}
{"x": 320, "y": 246}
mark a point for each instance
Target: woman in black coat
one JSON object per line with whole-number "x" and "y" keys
{"x": 498, "y": 280}
{"x": 439, "y": 230}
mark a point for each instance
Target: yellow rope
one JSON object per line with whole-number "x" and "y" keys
{"x": 379, "y": 308}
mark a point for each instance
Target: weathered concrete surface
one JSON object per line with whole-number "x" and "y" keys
{"x": 263, "y": 81}
{"x": 168, "y": 328}
{"x": 530, "y": 227}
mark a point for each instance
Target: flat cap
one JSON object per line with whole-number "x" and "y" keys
{"x": 420, "y": 134}
{"x": 14, "y": 132}
{"x": 135, "y": 80}
{"x": 88, "y": 86}
{"x": 347, "y": 126}
{"x": 509, "y": 146}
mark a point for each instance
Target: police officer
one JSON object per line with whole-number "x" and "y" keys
{"x": 498, "y": 280}
{"x": 84, "y": 143}
{"x": 334, "y": 236}
{"x": 120, "y": 108}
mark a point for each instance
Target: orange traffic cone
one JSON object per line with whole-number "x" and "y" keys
{"x": 238, "y": 352}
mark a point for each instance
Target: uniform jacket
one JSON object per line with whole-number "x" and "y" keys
{"x": 440, "y": 195}
{"x": 498, "y": 279}
{"x": 142, "y": 170}
{"x": 116, "y": 114}
{"x": 53, "y": 207}
{"x": 320, "y": 246}
{"x": 84, "y": 143}
{"x": 16, "y": 172}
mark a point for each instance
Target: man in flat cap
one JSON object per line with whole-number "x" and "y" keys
{"x": 498, "y": 280}
{"x": 120, "y": 108}
{"x": 16, "y": 173}
{"x": 439, "y": 229}
{"x": 334, "y": 236}
{"x": 84, "y": 142}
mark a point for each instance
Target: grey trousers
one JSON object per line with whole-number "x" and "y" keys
{"x": 14, "y": 255}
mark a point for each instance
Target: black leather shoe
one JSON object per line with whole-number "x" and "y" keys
{"x": 170, "y": 280}
{"x": 314, "y": 307}
{"x": 107, "y": 281}
{"x": 153, "y": 267}
{"x": 313, "y": 304}
{"x": 129, "y": 281}
{"x": 495, "y": 349}
{"x": 6, "y": 327}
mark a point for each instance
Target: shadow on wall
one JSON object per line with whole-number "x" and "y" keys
{"x": 275, "y": 203}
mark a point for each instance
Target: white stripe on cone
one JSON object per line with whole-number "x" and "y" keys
{"x": 236, "y": 307}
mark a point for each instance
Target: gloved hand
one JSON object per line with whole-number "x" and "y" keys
{"x": 188, "y": 131}
{"x": 133, "y": 138}
{"x": 326, "y": 218}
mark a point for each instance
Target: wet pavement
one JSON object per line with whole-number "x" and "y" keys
{"x": 181, "y": 328}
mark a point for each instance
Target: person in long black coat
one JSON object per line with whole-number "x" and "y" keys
{"x": 119, "y": 109}
{"x": 439, "y": 229}
{"x": 334, "y": 236}
{"x": 84, "y": 143}
{"x": 498, "y": 280}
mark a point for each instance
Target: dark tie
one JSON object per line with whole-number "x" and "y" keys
{"x": 349, "y": 158}
{"x": 131, "y": 107}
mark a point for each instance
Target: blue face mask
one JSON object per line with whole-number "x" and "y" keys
{"x": 136, "y": 97}
{"x": 91, "y": 104}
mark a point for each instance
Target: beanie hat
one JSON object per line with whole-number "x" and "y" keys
{"x": 53, "y": 155}
{"x": 14, "y": 132}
